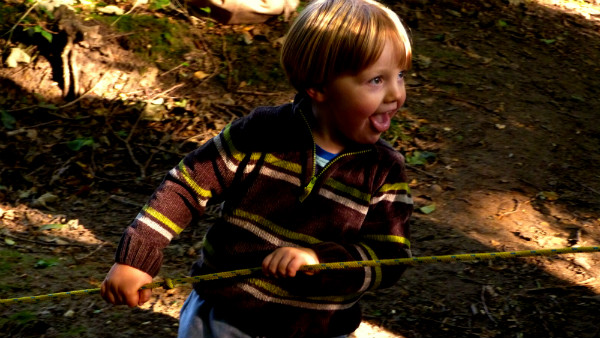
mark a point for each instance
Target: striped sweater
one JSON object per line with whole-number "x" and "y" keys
{"x": 263, "y": 168}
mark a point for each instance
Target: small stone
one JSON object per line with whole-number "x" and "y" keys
{"x": 436, "y": 188}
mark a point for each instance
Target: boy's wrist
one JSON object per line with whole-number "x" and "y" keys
{"x": 135, "y": 251}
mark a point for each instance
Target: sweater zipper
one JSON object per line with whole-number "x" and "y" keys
{"x": 314, "y": 178}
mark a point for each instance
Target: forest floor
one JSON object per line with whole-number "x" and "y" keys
{"x": 500, "y": 131}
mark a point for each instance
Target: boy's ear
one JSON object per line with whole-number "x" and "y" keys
{"x": 316, "y": 94}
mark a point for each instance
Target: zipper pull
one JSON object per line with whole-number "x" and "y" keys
{"x": 308, "y": 189}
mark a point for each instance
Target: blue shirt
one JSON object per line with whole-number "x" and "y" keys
{"x": 323, "y": 157}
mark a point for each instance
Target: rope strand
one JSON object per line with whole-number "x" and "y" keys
{"x": 170, "y": 283}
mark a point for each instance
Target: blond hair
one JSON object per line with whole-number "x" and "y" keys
{"x": 334, "y": 37}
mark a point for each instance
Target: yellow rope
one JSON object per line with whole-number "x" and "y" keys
{"x": 170, "y": 283}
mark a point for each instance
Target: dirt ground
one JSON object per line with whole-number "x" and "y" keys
{"x": 500, "y": 131}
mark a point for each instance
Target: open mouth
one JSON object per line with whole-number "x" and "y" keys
{"x": 381, "y": 121}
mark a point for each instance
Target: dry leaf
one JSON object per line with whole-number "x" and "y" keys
{"x": 111, "y": 9}
{"x": 247, "y": 37}
{"x": 17, "y": 55}
{"x": 200, "y": 75}
{"x": 43, "y": 200}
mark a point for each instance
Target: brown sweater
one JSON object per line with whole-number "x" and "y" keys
{"x": 263, "y": 168}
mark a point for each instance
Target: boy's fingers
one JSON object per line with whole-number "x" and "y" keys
{"x": 144, "y": 296}
{"x": 271, "y": 264}
{"x": 107, "y": 294}
{"x": 131, "y": 298}
{"x": 293, "y": 267}
{"x": 266, "y": 263}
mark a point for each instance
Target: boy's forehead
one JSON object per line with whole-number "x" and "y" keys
{"x": 390, "y": 58}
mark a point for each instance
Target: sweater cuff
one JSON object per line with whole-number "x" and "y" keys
{"x": 328, "y": 281}
{"x": 134, "y": 251}
{"x": 328, "y": 252}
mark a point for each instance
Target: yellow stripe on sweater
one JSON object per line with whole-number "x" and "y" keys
{"x": 395, "y": 186}
{"x": 238, "y": 155}
{"x": 190, "y": 181}
{"x": 348, "y": 190}
{"x": 388, "y": 238}
{"x": 256, "y": 219}
{"x": 278, "y": 291}
{"x": 377, "y": 269}
{"x": 163, "y": 219}
{"x": 291, "y": 166}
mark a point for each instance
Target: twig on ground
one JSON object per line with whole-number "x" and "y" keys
{"x": 130, "y": 150}
{"x": 137, "y": 2}
{"x": 154, "y": 97}
{"x": 45, "y": 243}
{"x": 256, "y": 93}
{"x": 455, "y": 98}
{"x": 485, "y": 308}
{"x": 10, "y": 31}
{"x": 172, "y": 69}
{"x": 514, "y": 209}
{"x": 125, "y": 201}
{"x": 229, "y": 67}
{"x": 589, "y": 188}
{"x": 128, "y": 145}
{"x": 161, "y": 149}
{"x": 79, "y": 259}
{"x": 68, "y": 104}
{"x": 544, "y": 323}
{"x": 58, "y": 172}
{"x": 422, "y": 171}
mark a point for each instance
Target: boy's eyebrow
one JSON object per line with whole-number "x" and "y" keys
{"x": 381, "y": 71}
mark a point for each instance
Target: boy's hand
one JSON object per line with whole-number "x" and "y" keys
{"x": 285, "y": 262}
{"x": 122, "y": 286}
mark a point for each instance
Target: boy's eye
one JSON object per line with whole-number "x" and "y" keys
{"x": 401, "y": 75}
{"x": 376, "y": 80}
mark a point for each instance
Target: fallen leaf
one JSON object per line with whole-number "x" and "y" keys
{"x": 73, "y": 224}
{"x": 111, "y": 9}
{"x": 247, "y": 37}
{"x": 200, "y": 75}
{"x": 8, "y": 121}
{"x": 52, "y": 226}
{"x": 427, "y": 209}
{"x": 43, "y": 200}
{"x": 582, "y": 262}
{"x": 548, "y": 195}
{"x": 50, "y": 5}
{"x": 17, "y": 55}
{"x": 420, "y": 157}
{"x": 42, "y": 264}
{"x": 9, "y": 241}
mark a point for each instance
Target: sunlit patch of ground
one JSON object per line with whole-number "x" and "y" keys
{"x": 368, "y": 330}
{"x": 508, "y": 221}
{"x": 588, "y": 9}
{"x": 25, "y": 226}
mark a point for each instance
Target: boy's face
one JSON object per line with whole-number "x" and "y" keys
{"x": 359, "y": 107}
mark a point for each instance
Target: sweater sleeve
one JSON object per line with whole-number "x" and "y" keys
{"x": 181, "y": 198}
{"x": 384, "y": 234}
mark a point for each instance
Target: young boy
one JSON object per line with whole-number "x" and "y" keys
{"x": 303, "y": 183}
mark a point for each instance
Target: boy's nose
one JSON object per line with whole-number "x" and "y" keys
{"x": 395, "y": 92}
